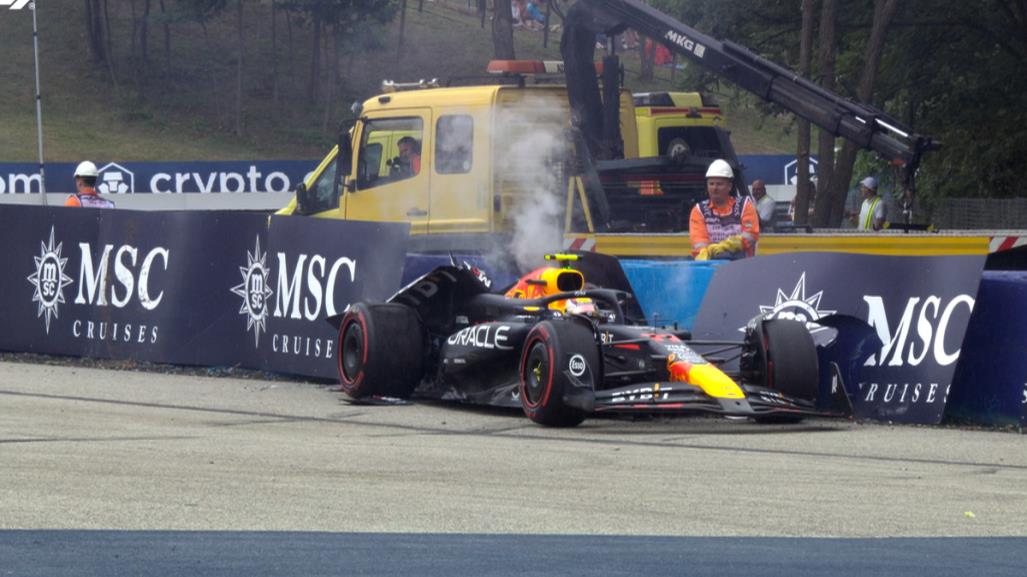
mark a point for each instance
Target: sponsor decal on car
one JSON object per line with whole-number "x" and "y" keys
{"x": 577, "y": 365}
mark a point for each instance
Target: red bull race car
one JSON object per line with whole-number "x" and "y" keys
{"x": 568, "y": 340}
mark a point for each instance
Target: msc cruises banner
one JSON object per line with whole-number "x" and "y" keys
{"x": 200, "y": 288}
{"x": 919, "y": 306}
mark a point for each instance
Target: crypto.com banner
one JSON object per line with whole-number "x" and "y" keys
{"x": 919, "y": 306}
{"x": 195, "y": 288}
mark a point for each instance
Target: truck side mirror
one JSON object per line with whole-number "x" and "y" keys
{"x": 344, "y": 159}
{"x": 301, "y": 198}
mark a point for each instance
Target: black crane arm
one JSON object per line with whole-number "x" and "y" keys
{"x": 864, "y": 125}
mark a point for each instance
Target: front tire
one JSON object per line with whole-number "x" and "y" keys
{"x": 380, "y": 351}
{"x": 789, "y": 363}
{"x": 556, "y": 356}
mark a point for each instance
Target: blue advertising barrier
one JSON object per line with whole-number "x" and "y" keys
{"x": 193, "y": 288}
{"x": 118, "y": 177}
{"x": 990, "y": 384}
{"x": 162, "y": 177}
{"x": 919, "y": 307}
{"x": 773, "y": 168}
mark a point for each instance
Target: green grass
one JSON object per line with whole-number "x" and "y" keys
{"x": 179, "y": 113}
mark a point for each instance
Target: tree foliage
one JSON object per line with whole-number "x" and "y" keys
{"x": 956, "y": 71}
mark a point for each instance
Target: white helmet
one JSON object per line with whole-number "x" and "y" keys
{"x": 86, "y": 168}
{"x": 720, "y": 168}
{"x": 869, "y": 182}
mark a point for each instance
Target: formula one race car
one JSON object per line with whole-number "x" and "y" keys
{"x": 562, "y": 351}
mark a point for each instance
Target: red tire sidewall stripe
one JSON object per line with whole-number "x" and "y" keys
{"x": 350, "y": 386}
{"x": 543, "y": 337}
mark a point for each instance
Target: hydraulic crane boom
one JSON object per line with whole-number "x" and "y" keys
{"x": 864, "y": 125}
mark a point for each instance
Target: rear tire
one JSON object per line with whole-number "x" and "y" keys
{"x": 553, "y": 354}
{"x": 380, "y": 351}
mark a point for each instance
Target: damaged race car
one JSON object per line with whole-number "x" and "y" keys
{"x": 562, "y": 349}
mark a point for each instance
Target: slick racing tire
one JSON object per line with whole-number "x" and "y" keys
{"x": 791, "y": 355}
{"x": 791, "y": 363}
{"x": 380, "y": 351}
{"x": 554, "y": 353}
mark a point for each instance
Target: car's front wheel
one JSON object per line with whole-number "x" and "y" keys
{"x": 557, "y": 356}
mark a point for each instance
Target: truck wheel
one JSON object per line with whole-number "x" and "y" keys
{"x": 380, "y": 351}
{"x": 553, "y": 354}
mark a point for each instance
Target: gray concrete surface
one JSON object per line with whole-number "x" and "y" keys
{"x": 115, "y": 450}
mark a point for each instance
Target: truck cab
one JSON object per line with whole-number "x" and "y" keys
{"x": 484, "y": 152}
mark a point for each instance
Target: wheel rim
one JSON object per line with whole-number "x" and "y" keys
{"x": 536, "y": 375}
{"x": 352, "y": 351}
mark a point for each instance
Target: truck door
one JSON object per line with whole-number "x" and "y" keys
{"x": 392, "y": 177}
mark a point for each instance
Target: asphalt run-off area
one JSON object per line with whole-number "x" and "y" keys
{"x": 142, "y": 473}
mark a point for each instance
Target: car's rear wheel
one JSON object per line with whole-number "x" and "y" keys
{"x": 555, "y": 355}
{"x": 380, "y": 351}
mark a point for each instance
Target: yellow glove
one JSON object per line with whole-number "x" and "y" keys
{"x": 704, "y": 254}
{"x": 728, "y": 245}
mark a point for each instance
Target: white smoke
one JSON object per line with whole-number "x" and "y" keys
{"x": 529, "y": 152}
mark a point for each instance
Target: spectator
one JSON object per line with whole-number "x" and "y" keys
{"x": 536, "y": 20}
{"x": 872, "y": 212}
{"x": 764, "y": 204}
{"x": 85, "y": 188}
{"x": 409, "y": 155}
{"x": 723, "y": 226}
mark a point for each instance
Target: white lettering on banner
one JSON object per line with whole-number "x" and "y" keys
{"x": 93, "y": 280}
{"x": 893, "y": 393}
{"x": 10, "y": 185}
{"x": 254, "y": 291}
{"x": 1024, "y": 398}
{"x": 228, "y": 182}
{"x": 316, "y": 293}
{"x": 114, "y": 332}
{"x": 237, "y": 178}
{"x": 298, "y": 345}
{"x": 931, "y": 330}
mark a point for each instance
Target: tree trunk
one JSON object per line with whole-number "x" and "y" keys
{"x": 402, "y": 29}
{"x": 94, "y": 31}
{"x": 144, "y": 32}
{"x": 167, "y": 37}
{"x": 827, "y": 52}
{"x": 333, "y": 84}
{"x": 213, "y": 74}
{"x": 884, "y": 10}
{"x": 238, "y": 71}
{"x": 315, "y": 63}
{"x": 802, "y": 188}
{"x": 110, "y": 47}
{"x": 274, "y": 53}
{"x": 502, "y": 30}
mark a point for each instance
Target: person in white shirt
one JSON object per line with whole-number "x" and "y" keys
{"x": 764, "y": 204}
{"x": 872, "y": 212}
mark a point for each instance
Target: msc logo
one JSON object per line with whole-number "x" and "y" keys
{"x": 797, "y": 306}
{"x": 115, "y": 179}
{"x": 49, "y": 278}
{"x": 16, "y": 4}
{"x": 254, "y": 291}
